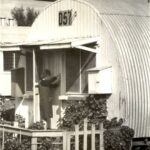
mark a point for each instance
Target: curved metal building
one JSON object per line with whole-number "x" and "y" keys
{"x": 124, "y": 31}
{"x": 128, "y": 24}
{"x": 122, "y": 28}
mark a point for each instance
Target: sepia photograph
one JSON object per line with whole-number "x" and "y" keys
{"x": 74, "y": 74}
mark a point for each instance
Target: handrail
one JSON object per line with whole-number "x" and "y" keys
{"x": 30, "y": 132}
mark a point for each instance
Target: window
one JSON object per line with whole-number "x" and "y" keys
{"x": 11, "y": 60}
{"x": 77, "y": 62}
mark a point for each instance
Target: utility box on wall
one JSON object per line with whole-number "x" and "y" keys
{"x": 99, "y": 80}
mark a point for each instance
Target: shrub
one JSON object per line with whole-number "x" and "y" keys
{"x": 116, "y": 136}
{"x": 93, "y": 108}
{"x": 39, "y": 125}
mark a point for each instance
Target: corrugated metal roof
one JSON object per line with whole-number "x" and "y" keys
{"x": 122, "y": 7}
{"x": 128, "y": 22}
{"x": 46, "y": 25}
{"x": 132, "y": 37}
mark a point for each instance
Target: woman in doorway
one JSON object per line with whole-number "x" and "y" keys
{"x": 46, "y": 85}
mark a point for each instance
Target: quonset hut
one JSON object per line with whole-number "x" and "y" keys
{"x": 110, "y": 40}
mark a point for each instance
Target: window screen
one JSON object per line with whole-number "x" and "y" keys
{"x": 88, "y": 60}
{"x": 77, "y": 64}
{"x": 72, "y": 70}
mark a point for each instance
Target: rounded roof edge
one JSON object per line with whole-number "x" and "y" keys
{"x": 45, "y": 26}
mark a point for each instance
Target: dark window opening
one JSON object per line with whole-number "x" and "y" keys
{"x": 10, "y": 59}
{"x": 77, "y": 64}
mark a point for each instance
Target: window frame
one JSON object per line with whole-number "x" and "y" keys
{"x": 13, "y": 62}
{"x": 80, "y": 91}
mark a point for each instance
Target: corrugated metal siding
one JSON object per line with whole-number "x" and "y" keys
{"x": 132, "y": 37}
{"x": 130, "y": 31}
{"x": 122, "y": 7}
{"x": 46, "y": 25}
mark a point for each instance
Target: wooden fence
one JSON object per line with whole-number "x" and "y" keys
{"x": 78, "y": 139}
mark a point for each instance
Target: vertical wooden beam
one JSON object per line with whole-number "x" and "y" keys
{"x": 93, "y": 137}
{"x": 85, "y": 135}
{"x": 98, "y": 50}
{"x": 80, "y": 76}
{"x": 76, "y": 137}
{"x": 34, "y": 143}
{"x": 14, "y": 60}
{"x": 34, "y": 92}
{"x": 68, "y": 142}
{"x": 3, "y": 138}
{"x": 36, "y": 99}
{"x": 20, "y": 136}
{"x": 101, "y": 144}
{"x": 65, "y": 140}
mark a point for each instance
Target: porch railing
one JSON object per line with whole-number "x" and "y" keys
{"x": 70, "y": 139}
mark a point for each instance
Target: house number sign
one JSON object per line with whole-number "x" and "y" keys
{"x": 66, "y": 17}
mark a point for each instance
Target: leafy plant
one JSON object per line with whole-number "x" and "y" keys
{"x": 39, "y": 125}
{"x": 24, "y": 17}
{"x": 92, "y": 108}
{"x": 116, "y": 137}
{"x": 20, "y": 120}
{"x": 12, "y": 142}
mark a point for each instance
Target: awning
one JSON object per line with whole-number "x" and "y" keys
{"x": 79, "y": 43}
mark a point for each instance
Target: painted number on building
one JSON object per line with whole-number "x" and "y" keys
{"x": 65, "y": 18}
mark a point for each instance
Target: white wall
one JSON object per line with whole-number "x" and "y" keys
{"x": 5, "y": 79}
{"x": 24, "y": 107}
{"x": 109, "y": 56}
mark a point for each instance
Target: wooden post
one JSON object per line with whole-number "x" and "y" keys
{"x": 76, "y": 137}
{"x": 85, "y": 134}
{"x": 14, "y": 60}
{"x": 20, "y": 137}
{"x": 93, "y": 137}
{"x": 64, "y": 140}
{"x": 3, "y": 138}
{"x": 34, "y": 143}
{"x": 36, "y": 114}
{"x": 101, "y": 146}
{"x": 34, "y": 101}
{"x": 68, "y": 142}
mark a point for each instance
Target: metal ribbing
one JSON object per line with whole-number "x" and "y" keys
{"x": 132, "y": 38}
{"x": 46, "y": 25}
{"x": 131, "y": 34}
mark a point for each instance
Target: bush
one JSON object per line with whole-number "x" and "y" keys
{"x": 39, "y": 125}
{"x": 13, "y": 143}
{"x": 116, "y": 136}
{"x": 93, "y": 108}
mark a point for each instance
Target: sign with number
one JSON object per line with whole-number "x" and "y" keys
{"x": 65, "y": 18}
